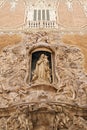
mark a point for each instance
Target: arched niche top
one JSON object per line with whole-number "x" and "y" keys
{"x": 43, "y": 47}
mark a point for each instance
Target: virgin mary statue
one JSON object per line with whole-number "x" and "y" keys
{"x": 42, "y": 72}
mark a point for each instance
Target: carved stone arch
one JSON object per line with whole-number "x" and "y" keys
{"x": 46, "y": 49}
{"x": 41, "y": 45}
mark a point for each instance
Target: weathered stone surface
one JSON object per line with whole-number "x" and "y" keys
{"x": 80, "y": 41}
{"x": 7, "y": 39}
{"x": 59, "y": 104}
{"x": 43, "y": 79}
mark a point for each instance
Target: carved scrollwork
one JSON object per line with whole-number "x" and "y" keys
{"x": 60, "y": 103}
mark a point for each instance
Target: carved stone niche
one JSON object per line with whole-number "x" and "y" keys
{"x": 41, "y": 77}
{"x": 41, "y": 66}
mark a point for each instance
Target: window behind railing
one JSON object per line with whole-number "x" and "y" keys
{"x": 41, "y": 15}
{"x": 35, "y": 15}
{"x": 42, "y": 18}
{"x": 48, "y": 15}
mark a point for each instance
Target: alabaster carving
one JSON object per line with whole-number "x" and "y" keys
{"x": 42, "y": 116}
{"x": 42, "y": 72}
{"x": 42, "y": 97}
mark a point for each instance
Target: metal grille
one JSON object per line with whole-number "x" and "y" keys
{"x": 48, "y": 16}
{"x": 35, "y": 15}
{"x": 43, "y": 14}
{"x": 39, "y": 15}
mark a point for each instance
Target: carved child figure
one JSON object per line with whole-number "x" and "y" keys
{"x": 42, "y": 70}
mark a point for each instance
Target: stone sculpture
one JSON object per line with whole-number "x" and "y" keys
{"x": 42, "y": 72}
{"x": 40, "y": 102}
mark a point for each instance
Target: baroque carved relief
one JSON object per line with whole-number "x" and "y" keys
{"x": 53, "y": 84}
{"x": 42, "y": 116}
{"x": 67, "y": 70}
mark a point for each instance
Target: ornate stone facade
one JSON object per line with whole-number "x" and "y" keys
{"x": 22, "y": 15}
{"x": 43, "y": 82}
{"x": 59, "y": 104}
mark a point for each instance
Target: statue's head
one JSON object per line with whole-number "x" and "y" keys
{"x": 42, "y": 56}
{"x": 46, "y": 57}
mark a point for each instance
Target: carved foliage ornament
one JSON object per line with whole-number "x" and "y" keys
{"x": 40, "y": 69}
{"x": 44, "y": 117}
